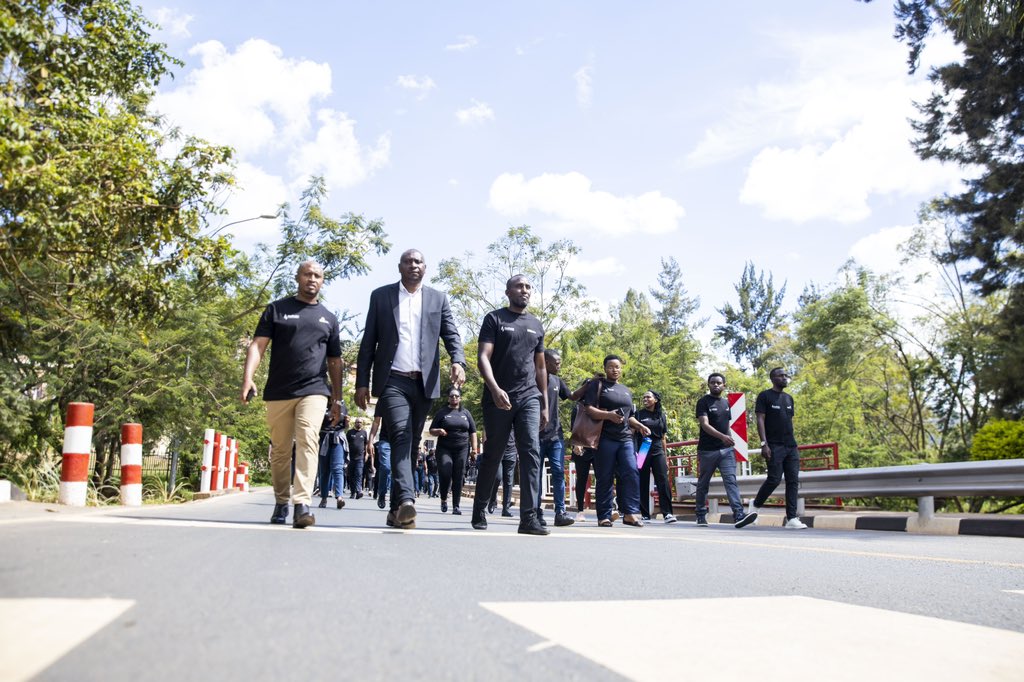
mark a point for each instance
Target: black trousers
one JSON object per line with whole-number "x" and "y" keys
{"x": 451, "y": 468}
{"x": 524, "y": 420}
{"x": 504, "y": 477}
{"x": 657, "y": 464}
{"x": 583, "y": 465}
{"x": 404, "y": 408}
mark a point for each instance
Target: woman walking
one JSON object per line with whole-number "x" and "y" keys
{"x": 455, "y": 430}
{"x": 653, "y": 417}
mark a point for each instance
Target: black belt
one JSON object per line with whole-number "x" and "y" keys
{"x": 408, "y": 375}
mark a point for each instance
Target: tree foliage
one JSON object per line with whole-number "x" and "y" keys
{"x": 676, "y": 305}
{"x": 746, "y": 329}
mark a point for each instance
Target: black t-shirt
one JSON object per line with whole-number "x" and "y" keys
{"x": 517, "y": 337}
{"x": 431, "y": 463}
{"x": 382, "y": 430}
{"x": 302, "y": 337}
{"x": 778, "y": 409}
{"x": 458, "y": 423}
{"x": 614, "y": 396}
{"x": 357, "y": 439}
{"x": 556, "y": 390}
{"x": 719, "y": 417}
{"x": 657, "y": 423}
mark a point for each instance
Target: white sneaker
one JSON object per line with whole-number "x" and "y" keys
{"x": 751, "y": 508}
{"x": 669, "y": 518}
{"x": 580, "y": 518}
{"x": 795, "y": 523}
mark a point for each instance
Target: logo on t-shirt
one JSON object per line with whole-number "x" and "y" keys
{"x": 291, "y": 317}
{"x": 323, "y": 320}
{"x": 530, "y": 331}
{"x": 508, "y": 329}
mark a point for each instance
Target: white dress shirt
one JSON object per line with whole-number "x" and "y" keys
{"x": 410, "y": 312}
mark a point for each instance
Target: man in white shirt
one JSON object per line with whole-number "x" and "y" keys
{"x": 399, "y": 352}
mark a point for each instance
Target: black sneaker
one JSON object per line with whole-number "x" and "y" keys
{"x": 444, "y": 506}
{"x": 380, "y": 503}
{"x": 702, "y": 520}
{"x": 479, "y": 521}
{"x": 745, "y": 520}
{"x": 563, "y": 520}
{"x": 530, "y": 525}
{"x": 280, "y": 515}
{"x": 302, "y": 518}
{"x": 323, "y": 503}
{"x": 405, "y": 515}
{"x": 456, "y": 511}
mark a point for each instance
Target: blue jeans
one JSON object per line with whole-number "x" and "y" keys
{"x": 616, "y": 457}
{"x": 785, "y": 461}
{"x": 554, "y": 452}
{"x": 524, "y": 420}
{"x": 432, "y": 484}
{"x": 332, "y": 471}
{"x": 383, "y": 469}
{"x": 725, "y": 461}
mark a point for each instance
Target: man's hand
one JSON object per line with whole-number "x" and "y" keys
{"x": 645, "y": 430}
{"x": 543, "y": 419}
{"x": 501, "y": 400}
{"x": 458, "y": 375}
{"x": 766, "y": 452}
{"x": 248, "y": 391}
{"x": 441, "y": 433}
{"x": 362, "y": 397}
{"x": 727, "y": 440}
{"x": 335, "y": 413}
{"x": 369, "y": 448}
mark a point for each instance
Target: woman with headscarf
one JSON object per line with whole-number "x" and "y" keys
{"x": 456, "y": 438}
{"x": 611, "y": 403}
{"x": 653, "y": 417}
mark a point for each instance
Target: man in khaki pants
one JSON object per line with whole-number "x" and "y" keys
{"x": 306, "y": 349}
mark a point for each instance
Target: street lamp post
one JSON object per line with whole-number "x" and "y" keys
{"x": 265, "y": 216}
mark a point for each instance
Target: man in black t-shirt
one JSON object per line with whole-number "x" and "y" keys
{"x": 306, "y": 348}
{"x": 775, "y": 411}
{"x": 357, "y": 455}
{"x": 552, "y": 440}
{"x": 715, "y": 451}
{"x": 511, "y": 362}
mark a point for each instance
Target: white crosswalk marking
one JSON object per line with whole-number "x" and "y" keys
{"x": 799, "y": 637}
{"x": 34, "y": 633}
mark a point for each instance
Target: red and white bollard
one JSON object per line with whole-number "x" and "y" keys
{"x": 215, "y": 462}
{"x": 738, "y": 429}
{"x": 131, "y": 465}
{"x": 74, "y": 461}
{"x": 232, "y": 462}
{"x": 204, "y": 475}
{"x": 242, "y": 482}
{"x": 223, "y": 463}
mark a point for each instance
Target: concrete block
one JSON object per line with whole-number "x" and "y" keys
{"x": 935, "y": 526}
{"x": 836, "y": 521}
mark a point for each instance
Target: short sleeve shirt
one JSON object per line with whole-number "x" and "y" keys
{"x": 517, "y": 338}
{"x": 556, "y": 390}
{"x": 302, "y": 337}
{"x": 778, "y": 409}
{"x": 615, "y": 397}
{"x": 658, "y": 425}
{"x": 458, "y": 423}
{"x": 357, "y": 439}
{"x": 719, "y": 417}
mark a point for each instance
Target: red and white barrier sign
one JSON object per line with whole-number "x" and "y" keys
{"x": 232, "y": 463}
{"x": 222, "y": 466}
{"x": 74, "y": 461}
{"x": 215, "y": 462}
{"x": 204, "y": 475}
{"x": 738, "y": 424}
{"x": 242, "y": 480}
{"x": 131, "y": 465}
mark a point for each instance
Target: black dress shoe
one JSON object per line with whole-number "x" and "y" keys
{"x": 391, "y": 519}
{"x": 541, "y": 521}
{"x": 456, "y": 511}
{"x": 564, "y": 520}
{"x": 405, "y": 515}
{"x": 478, "y": 520}
{"x": 491, "y": 508}
{"x": 323, "y": 503}
{"x": 280, "y": 515}
{"x": 341, "y": 503}
{"x": 506, "y": 513}
{"x": 444, "y": 506}
{"x": 380, "y": 503}
{"x": 359, "y": 496}
{"x": 530, "y": 525}
{"x": 301, "y": 517}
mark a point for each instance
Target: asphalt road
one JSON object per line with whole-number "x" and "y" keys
{"x": 210, "y": 590}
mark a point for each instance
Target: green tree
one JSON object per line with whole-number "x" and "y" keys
{"x": 747, "y": 326}
{"x": 999, "y": 439}
{"x": 677, "y": 306}
{"x": 558, "y": 301}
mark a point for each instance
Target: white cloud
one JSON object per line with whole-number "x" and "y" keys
{"x": 880, "y": 251}
{"x": 256, "y": 193}
{"x": 574, "y": 205}
{"x": 584, "y": 78}
{"x": 337, "y": 154}
{"x": 478, "y": 113}
{"x": 578, "y": 267}
{"x": 422, "y": 85}
{"x": 831, "y": 136}
{"x": 173, "y": 21}
{"x": 465, "y": 43}
{"x": 253, "y": 99}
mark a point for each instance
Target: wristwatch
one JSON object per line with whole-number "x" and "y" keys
{"x": 763, "y": 444}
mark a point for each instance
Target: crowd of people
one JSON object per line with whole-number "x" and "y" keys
{"x": 399, "y": 365}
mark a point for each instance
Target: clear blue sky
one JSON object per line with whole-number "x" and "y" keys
{"x": 716, "y": 133}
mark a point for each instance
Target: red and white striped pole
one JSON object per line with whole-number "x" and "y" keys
{"x": 74, "y": 461}
{"x": 131, "y": 465}
{"x": 232, "y": 462}
{"x": 215, "y": 462}
{"x": 223, "y": 467}
{"x": 204, "y": 476}
{"x": 243, "y": 477}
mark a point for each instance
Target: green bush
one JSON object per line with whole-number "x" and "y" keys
{"x": 999, "y": 440}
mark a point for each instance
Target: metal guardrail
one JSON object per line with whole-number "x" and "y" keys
{"x": 998, "y": 478}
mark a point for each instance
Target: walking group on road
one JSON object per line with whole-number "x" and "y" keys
{"x": 399, "y": 365}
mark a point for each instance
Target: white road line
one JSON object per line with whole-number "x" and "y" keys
{"x": 541, "y": 646}
{"x": 736, "y": 638}
{"x": 35, "y": 633}
{"x": 1014, "y": 591}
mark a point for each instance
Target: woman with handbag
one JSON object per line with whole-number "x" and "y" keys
{"x": 610, "y": 404}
